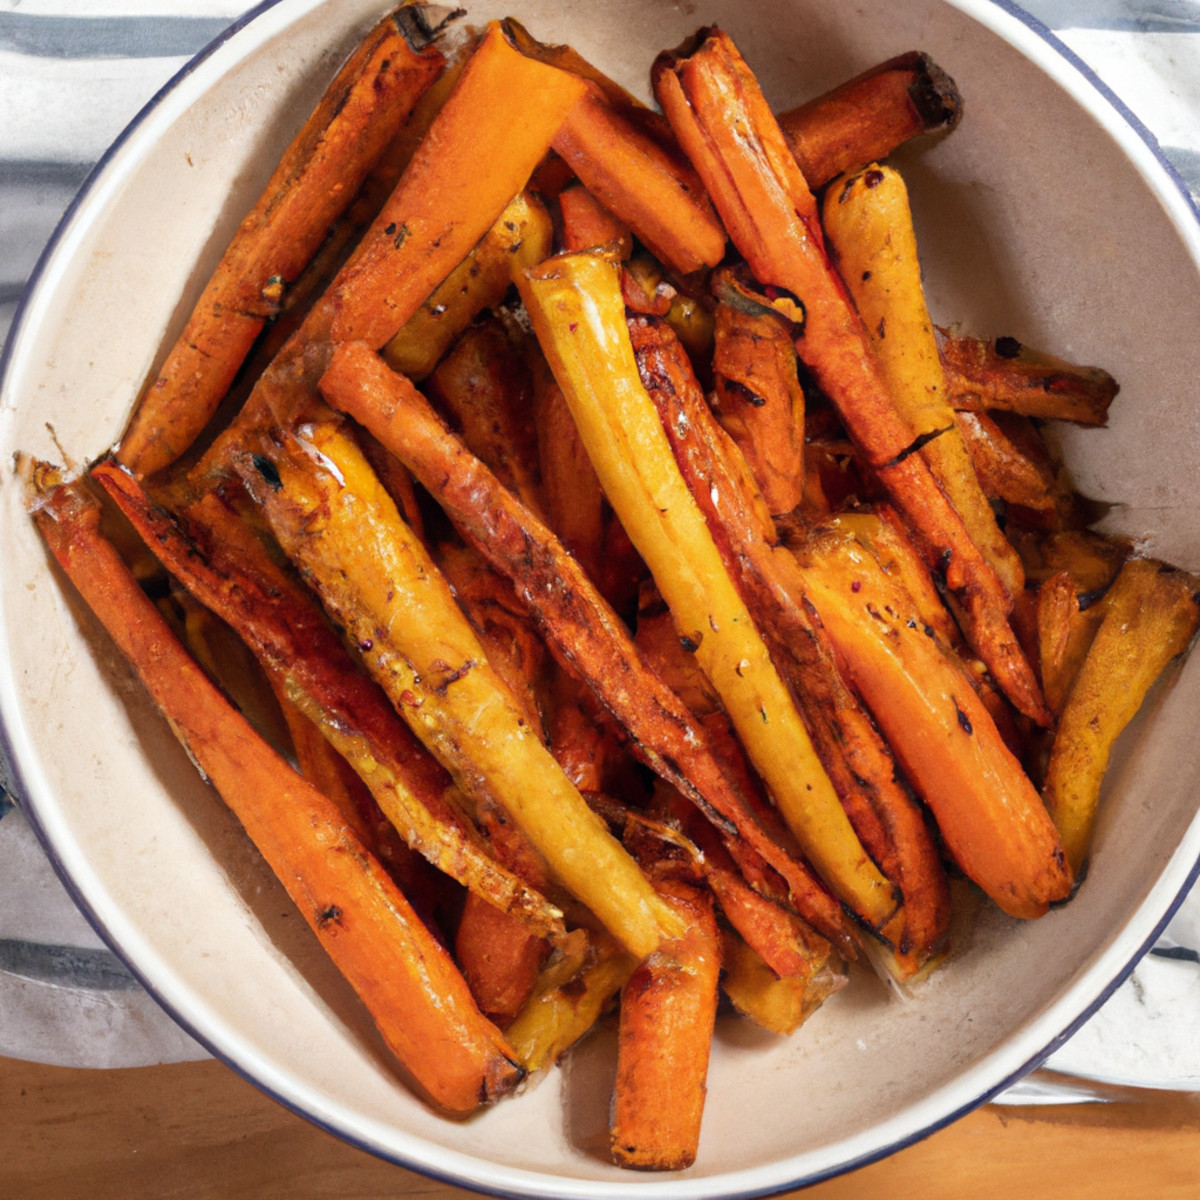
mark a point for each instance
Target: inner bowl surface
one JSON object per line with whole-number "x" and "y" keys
{"x": 1044, "y": 216}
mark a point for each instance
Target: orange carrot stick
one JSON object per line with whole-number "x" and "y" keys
{"x": 668, "y": 1011}
{"x": 759, "y": 400}
{"x": 656, "y": 194}
{"x": 480, "y": 152}
{"x": 869, "y": 116}
{"x": 415, "y": 994}
{"x": 318, "y": 177}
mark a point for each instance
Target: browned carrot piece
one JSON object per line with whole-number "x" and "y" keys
{"x": 415, "y": 994}
{"x": 580, "y": 628}
{"x": 1004, "y": 374}
{"x": 483, "y": 388}
{"x": 1014, "y": 465}
{"x": 654, "y": 192}
{"x": 480, "y": 151}
{"x": 221, "y": 565}
{"x": 759, "y": 400}
{"x": 869, "y": 225}
{"x": 587, "y": 223}
{"x": 318, "y": 177}
{"x": 668, "y": 1012}
{"x": 521, "y": 236}
{"x": 502, "y": 623}
{"x": 778, "y": 1004}
{"x": 722, "y": 121}
{"x": 869, "y": 116}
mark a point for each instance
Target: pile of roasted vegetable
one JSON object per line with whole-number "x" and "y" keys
{"x": 659, "y": 607}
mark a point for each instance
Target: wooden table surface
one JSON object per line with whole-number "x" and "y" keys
{"x": 192, "y": 1130}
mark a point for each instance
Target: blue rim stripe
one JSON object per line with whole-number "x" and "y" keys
{"x": 93, "y": 38}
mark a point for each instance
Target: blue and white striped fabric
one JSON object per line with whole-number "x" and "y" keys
{"x": 72, "y": 74}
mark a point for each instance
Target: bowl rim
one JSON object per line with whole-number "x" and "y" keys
{"x": 1049, "y": 52}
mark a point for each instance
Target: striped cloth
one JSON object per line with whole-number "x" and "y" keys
{"x": 72, "y": 74}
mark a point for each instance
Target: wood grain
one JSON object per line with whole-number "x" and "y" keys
{"x": 197, "y": 1130}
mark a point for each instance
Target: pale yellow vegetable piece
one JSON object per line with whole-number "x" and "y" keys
{"x": 1150, "y": 616}
{"x": 869, "y": 225}
{"x": 334, "y": 519}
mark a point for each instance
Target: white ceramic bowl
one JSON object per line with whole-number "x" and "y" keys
{"x": 1046, "y": 215}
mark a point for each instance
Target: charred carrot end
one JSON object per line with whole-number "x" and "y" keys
{"x": 317, "y": 179}
{"x": 668, "y": 1010}
{"x": 869, "y": 116}
{"x": 1004, "y": 374}
{"x": 500, "y": 958}
{"x": 480, "y": 151}
{"x": 656, "y": 194}
{"x": 420, "y": 1003}
{"x": 779, "y": 1004}
{"x": 1150, "y": 616}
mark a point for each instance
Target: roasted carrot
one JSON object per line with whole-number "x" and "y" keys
{"x": 580, "y": 628}
{"x": 480, "y": 152}
{"x": 758, "y": 397}
{"x": 578, "y": 314}
{"x": 991, "y": 819}
{"x": 654, "y": 192}
{"x": 412, "y": 989}
{"x": 587, "y": 223}
{"x": 520, "y": 238}
{"x": 778, "y": 1004}
{"x": 1014, "y": 465}
{"x": 668, "y": 1011}
{"x": 1004, "y": 374}
{"x": 722, "y": 121}
{"x": 1150, "y": 616}
{"x": 317, "y": 178}
{"x": 484, "y": 389}
{"x": 867, "y": 117}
